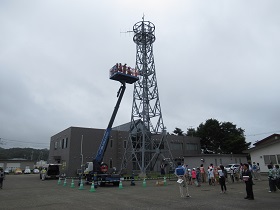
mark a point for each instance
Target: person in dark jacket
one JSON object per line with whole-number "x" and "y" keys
{"x": 222, "y": 178}
{"x": 247, "y": 177}
{"x": 2, "y": 175}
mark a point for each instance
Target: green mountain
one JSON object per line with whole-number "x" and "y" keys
{"x": 26, "y": 153}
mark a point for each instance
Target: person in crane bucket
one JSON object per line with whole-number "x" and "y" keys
{"x": 180, "y": 172}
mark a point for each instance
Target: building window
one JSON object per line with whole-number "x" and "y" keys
{"x": 176, "y": 146}
{"x": 192, "y": 147}
{"x": 64, "y": 143}
{"x": 273, "y": 159}
{"x": 266, "y": 159}
{"x": 111, "y": 163}
{"x": 60, "y": 143}
{"x": 124, "y": 144}
{"x": 278, "y": 159}
{"x": 269, "y": 159}
{"x": 55, "y": 145}
{"x": 111, "y": 143}
{"x": 221, "y": 161}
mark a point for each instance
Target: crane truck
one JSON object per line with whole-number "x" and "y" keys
{"x": 97, "y": 171}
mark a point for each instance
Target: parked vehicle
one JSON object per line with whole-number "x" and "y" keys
{"x": 51, "y": 171}
{"x": 36, "y": 171}
{"x": 18, "y": 171}
{"x": 7, "y": 171}
{"x": 27, "y": 171}
{"x": 233, "y": 166}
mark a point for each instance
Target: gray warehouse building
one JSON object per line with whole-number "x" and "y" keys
{"x": 75, "y": 146}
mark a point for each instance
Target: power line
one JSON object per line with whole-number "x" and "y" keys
{"x": 4, "y": 139}
{"x": 257, "y": 134}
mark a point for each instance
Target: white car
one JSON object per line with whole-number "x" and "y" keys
{"x": 7, "y": 171}
{"x": 36, "y": 171}
{"x": 27, "y": 171}
{"x": 233, "y": 166}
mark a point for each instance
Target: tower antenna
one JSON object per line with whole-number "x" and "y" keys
{"x": 147, "y": 136}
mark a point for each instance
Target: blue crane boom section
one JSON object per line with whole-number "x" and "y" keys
{"x": 105, "y": 139}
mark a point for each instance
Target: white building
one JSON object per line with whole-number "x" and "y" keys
{"x": 266, "y": 151}
{"x": 194, "y": 161}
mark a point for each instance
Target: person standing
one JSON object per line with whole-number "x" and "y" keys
{"x": 189, "y": 172}
{"x": 232, "y": 172}
{"x": 202, "y": 173}
{"x": 216, "y": 174}
{"x": 212, "y": 177}
{"x": 162, "y": 169}
{"x": 241, "y": 170}
{"x": 180, "y": 172}
{"x": 198, "y": 176}
{"x": 271, "y": 178}
{"x": 2, "y": 175}
{"x": 43, "y": 174}
{"x": 277, "y": 170}
{"x": 247, "y": 178}
{"x": 254, "y": 170}
{"x": 222, "y": 178}
{"x": 193, "y": 175}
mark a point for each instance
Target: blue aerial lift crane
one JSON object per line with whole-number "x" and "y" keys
{"x": 97, "y": 171}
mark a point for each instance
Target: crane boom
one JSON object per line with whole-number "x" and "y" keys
{"x": 105, "y": 139}
{"x": 97, "y": 171}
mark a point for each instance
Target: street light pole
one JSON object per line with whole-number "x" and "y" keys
{"x": 82, "y": 156}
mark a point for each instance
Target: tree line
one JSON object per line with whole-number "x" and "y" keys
{"x": 218, "y": 137}
{"x": 215, "y": 138}
{"x": 25, "y": 153}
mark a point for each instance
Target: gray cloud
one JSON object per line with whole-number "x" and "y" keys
{"x": 214, "y": 59}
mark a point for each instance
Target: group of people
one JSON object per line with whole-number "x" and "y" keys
{"x": 273, "y": 177}
{"x": 187, "y": 176}
{"x": 124, "y": 69}
{"x": 256, "y": 171}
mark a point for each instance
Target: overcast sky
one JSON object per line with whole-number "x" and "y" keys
{"x": 214, "y": 59}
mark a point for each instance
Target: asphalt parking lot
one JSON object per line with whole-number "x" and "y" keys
{"x": 27, "y": 191}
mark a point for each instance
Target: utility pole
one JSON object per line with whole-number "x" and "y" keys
{"x": 82, "y": 156}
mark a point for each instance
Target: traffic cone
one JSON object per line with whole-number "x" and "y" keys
{"x": 59, "y": 181}
{"x": 164, "y": 181}
{"x": 72, "y": 184}
{"x": 92, "y": 188}
{"x": 144, "y": 182}
{"x": 120, "y": 185}
{"x": 65, "y": 182}
{"x": 81, "y": 185}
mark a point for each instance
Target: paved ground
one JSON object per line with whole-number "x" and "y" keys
{"x": 28, "y": 192}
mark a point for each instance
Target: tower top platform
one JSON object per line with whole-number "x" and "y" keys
{"x": 123, "y": 73}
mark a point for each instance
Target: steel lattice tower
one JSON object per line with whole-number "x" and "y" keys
{"x": 147, "y": 137}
